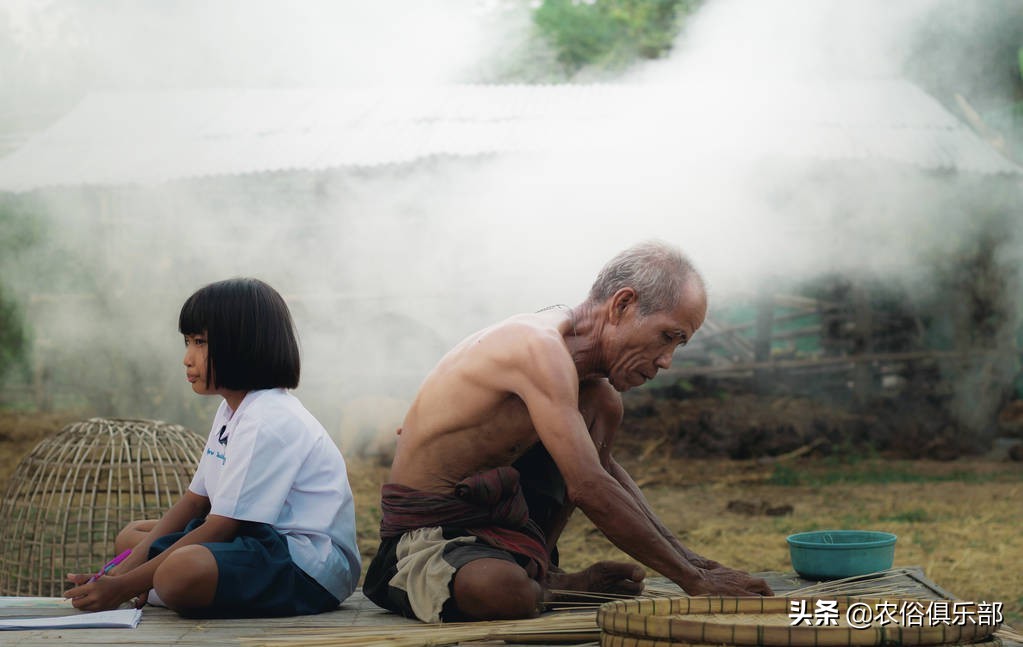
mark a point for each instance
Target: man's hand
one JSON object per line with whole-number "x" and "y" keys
{"x": 728, "y": 581}
{"x": 101, "y": 595}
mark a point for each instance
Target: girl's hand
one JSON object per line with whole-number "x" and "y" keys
{"x": 101, "y": 595}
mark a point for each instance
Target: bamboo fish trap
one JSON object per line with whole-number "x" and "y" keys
{"x": 71, "y": 495}
{"x": 757, "y": 621}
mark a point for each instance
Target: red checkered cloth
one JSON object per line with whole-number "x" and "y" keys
{"x": 488, "y": 505}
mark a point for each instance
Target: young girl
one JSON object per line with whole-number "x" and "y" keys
{"x": 267, "y": 526}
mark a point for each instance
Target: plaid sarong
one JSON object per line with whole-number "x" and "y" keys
{"x": 489, "y": 505}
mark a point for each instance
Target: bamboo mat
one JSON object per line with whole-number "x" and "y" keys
{"x": 165, "y": 628}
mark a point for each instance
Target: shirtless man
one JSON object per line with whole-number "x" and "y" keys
{"x": 466, "y": 537}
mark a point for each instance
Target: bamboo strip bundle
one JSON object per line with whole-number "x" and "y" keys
{"x": 881, "y": 583}
{"x": 1005, "y": 632}
{"x": 662, "y": 591}
{"x": 557, "y": 628}
{"x": 584, "y": 599}
{"x": 890, "y": 582}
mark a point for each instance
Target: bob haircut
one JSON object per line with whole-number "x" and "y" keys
{"x": 250, "y": 336}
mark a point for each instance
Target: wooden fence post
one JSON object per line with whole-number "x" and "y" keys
{"x": 762, "y": 377}
{"x": 863, "y": 343}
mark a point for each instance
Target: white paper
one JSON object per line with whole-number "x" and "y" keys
{"x": 117, "y": 619}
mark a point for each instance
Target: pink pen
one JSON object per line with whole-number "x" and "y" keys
{"x": 109, "y": 565}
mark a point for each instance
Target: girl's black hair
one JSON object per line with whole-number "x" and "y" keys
{"x": 250, "y": 336}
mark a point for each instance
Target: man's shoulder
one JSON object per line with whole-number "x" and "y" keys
{"x": 530, "y": 345}
{"x": 527, "y": 332}
{"x": 530, "y": 323}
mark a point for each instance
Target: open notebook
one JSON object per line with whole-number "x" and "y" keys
{"x": 57, "y": 613}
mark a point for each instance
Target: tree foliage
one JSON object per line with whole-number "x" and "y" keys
{"x": 18, "y": 232}
{"x": 13, "y": 338}
{"x": 610, "y": 34}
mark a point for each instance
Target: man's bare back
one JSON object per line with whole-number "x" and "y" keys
{"x": 465, "y": 419}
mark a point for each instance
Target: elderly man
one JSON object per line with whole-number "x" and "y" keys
{"x": 513, "y": 429}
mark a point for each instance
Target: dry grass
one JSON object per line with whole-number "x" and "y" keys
{"x": 965, "y": 533}
{"x": 21, "y": 431}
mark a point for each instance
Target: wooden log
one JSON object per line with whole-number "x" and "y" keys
{"x": 845, "y": 360}
{"x": 795, "y": 333}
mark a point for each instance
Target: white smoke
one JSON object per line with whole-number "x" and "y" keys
{"x": 386, "y": 268}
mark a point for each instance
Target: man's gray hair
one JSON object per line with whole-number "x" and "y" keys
{"x": 657, "y": 271}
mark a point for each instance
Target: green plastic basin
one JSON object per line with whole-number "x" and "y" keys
{"x": 834, "y": 554}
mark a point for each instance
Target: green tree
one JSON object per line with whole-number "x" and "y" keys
{"x": 18, "y": 232}
{"x": 13, "y": 338}
{"x": 610, "y": 34}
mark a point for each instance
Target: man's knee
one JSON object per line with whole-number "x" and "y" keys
{"x": 494, "y": 589}
{"x": 187, "y": 578}
{"x": 600, "y": 403}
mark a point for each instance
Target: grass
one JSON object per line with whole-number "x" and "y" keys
{"x": 958, "y": 521}
{"x": 915, "y": 515}
{"x": 879, "y": 472}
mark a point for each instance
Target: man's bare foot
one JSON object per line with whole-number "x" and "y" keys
{"x": 615, "y": 578}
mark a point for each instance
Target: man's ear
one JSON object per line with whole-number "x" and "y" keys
{"x": 621, "y": 301}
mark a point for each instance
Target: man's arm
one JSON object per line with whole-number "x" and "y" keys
{"x": 625, "y": 479}
{"x": 630, "y": 525}
{"x": 546, "y": 381}
{"x": 715, "y": 571}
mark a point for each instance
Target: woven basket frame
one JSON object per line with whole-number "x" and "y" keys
{"x": 663, "y": 619}
{"x": 72, "y": 494}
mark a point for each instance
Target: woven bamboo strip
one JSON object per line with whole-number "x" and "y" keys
{"x": 611, "y": 640}
{"x": 725, "y": 620}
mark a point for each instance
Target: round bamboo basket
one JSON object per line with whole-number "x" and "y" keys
{"x": 72, "y": 494}
{"x": 611, "y": 640}
{"x": 755, "y": 621}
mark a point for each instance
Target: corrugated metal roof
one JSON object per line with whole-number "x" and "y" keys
{"x": 125, "y": 138}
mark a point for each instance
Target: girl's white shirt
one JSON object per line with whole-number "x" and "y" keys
{"x": 280, "y": 467}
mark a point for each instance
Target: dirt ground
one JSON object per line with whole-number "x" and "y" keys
{"x": 960, "y": 520}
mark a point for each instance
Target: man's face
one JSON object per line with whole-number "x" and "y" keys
{"x": 643, "y": 345}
